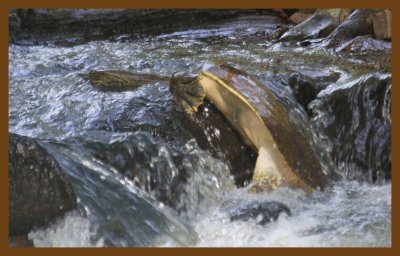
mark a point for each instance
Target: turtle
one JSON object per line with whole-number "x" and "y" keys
{"x": 120, "y": 80}
{"x": 286, "y": 156}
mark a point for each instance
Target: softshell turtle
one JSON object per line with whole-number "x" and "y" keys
{"x": 285, "y": 155}
{"x": 120, "y": 80}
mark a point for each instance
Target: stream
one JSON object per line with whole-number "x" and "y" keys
{"x": 180, "y": 192}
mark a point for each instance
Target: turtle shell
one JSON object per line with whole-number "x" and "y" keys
{"x": 297, "y": 149}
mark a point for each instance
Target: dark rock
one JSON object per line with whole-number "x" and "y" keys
{"x": 76, "y": 26}
{"x": 305, "y": 88}
{"x": 264, "y": 212}
{"x": 132, "y": 155}
{"x": 358, "y": 23}
{"x": 356, "y": 116}
{"x": 38, "y": 192}
{"x": 209, "y": 127}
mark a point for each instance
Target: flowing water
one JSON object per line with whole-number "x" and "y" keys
{"x": 180, "y": 193}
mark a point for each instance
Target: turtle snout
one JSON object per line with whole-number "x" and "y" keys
{"x": 180, "y": 80}
{"x": 186, "y": 91}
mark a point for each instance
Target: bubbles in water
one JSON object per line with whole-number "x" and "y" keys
{"x": 72, "y": 230}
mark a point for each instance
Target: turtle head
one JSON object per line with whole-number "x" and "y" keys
{"x": 187, "y": 91}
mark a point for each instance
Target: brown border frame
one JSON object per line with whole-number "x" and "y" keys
{"x": 7, "y": 4}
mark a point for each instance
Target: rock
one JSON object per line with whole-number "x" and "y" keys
{"x": 365, "y": 43}
{"x": 209, "y": 127}
{"x": 284, "y": 13}
{"x": 303, "y": 89}
{"x": 356, "y": 116}
{"x": 38, "y": 192}
{"x": 299, "y": 17}
{"x": 263, "y": 213}
{"x": 277, "y": 33}
{"x": 382, "y": 23}
{"x": 76, "y": 26}
{"x": 344, "y": 14}
{"x": 358, "y": 23}
{"x": 308, "y": 11}
{"x": 320, "y": 24}
{"x": 132, "y": 156}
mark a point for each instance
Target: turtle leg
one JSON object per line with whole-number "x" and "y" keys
{"x": 266, "y": 175}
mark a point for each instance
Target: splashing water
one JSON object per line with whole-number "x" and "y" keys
{"x": 182, "y": 193}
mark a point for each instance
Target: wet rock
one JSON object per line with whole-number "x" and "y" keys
{"x": 299, "y": 17}
{"x": 321, "y": 24}
{"x": 38, "y": 192}
{"x": 208, "y": 127}
{"x": 305, "y": 88}
{"x": 159, "y": 169}
{"x": 76, "y": 26}
{"x": 364, "y": 44}
{"x": 344, "y": 14}
{"x": 382, "y": 23}
{"x": 262, "y": 212}
{"x": 358, "y": 23}
{"x": 277, "y": 33}
{"x": 356, "y": 117}
{"x": 149, "y": 164}
{"x": 284, "y": 13}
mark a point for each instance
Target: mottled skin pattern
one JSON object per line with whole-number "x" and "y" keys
{"x": 119, "y": 80}
{"x": 285, "y": 155}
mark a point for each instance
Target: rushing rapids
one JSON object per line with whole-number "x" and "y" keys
{"x": 145, "y": 174}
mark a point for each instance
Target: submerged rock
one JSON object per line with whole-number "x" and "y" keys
{"x": 38, "y": 192}
{"x": 364, "y": 44}
{"x": 356, "y": 116}
{"x": 263, "y": 213}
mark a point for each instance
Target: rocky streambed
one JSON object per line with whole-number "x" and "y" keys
{"x": 138, "y": 172}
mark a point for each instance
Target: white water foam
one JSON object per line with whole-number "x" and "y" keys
{"x": 72, "y": 230}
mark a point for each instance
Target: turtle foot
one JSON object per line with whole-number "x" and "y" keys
{"x": 264, "y": 184}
